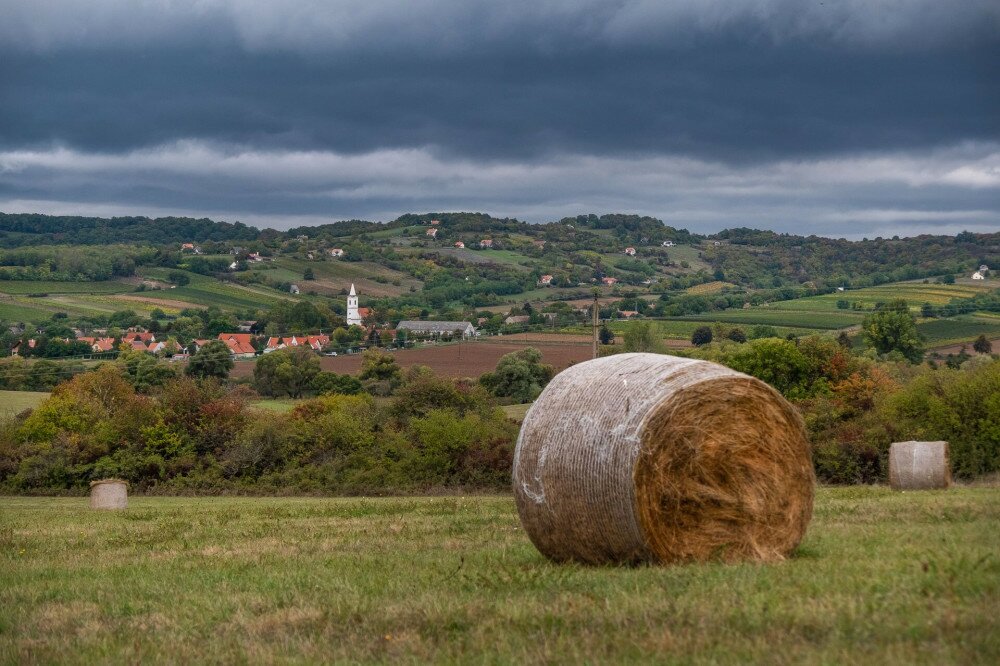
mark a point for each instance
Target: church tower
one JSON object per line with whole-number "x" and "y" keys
{"x": 353, "y": 318}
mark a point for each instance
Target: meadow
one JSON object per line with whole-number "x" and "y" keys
{"x": 15, "y": 402}
{"x": 682, "y": 328}
{"x": 964, "y": 328}
{"x": 881, "y": 577}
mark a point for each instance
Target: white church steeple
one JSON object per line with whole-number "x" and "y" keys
{"x": 353, "y": 318}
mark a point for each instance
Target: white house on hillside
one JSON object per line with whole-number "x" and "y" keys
{"x": 978, "y": 275}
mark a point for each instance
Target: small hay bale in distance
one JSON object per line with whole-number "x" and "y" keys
{"x": 109, "y": 494}
{"x": 919, "y": 466}
{"x": 638, "y": 458}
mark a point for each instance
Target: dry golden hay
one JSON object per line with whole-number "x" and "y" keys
{"x": 651, "y": 458}
{"x": 109, "y": 494}
{"x": 919, "y": 465}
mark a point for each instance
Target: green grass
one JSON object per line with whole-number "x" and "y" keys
{"x": 915, "y": 294}
{"x": 279, "y": 405}
{"x": 51, "y": 287}
{"x": 516, "y": 412}
{"x": 681, "y": 329}
{"x": 940, "y": 332}
{"x": 881, "y": 577}
{"x": 14, "y": 402}
{"x": 777, "y": 317}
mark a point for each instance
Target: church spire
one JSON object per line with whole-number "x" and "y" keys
{"x": 353, "y": 293}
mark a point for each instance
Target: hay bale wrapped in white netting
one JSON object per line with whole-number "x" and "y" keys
{"x": 919, "y": 465}
{"x": 109, "y": 494}
{"x": 646, "y": 457}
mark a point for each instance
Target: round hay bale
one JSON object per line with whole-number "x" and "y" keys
{"x": 919, "y": 465}
{"x": 109, "y": 494}
{"x": 651, "y": 458}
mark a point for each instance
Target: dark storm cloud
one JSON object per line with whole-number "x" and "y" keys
{"x": 528, "y": 98}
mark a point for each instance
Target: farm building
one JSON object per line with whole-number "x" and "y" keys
{"x": 16, "y": 349}
{"x": 143, "y": 336}
{"x": 978, "y": 275}
{"x": 486, "y": 242}
{"x": 545, "y": 280}
{"x": 609, "y": 281}
{"x": 517, "y": 319}
{"x": 463, "y": 328}
{"x": 667, "y": 243}
{"x": 630, "y": 251}
{"x": 337, "y": 252}
{"x": 314, "y": 342}
{"x": 293, "y": 289}
{"x": 432, "y": 232}
{"x": 239, "y": 344}
{"x": 460, "y": 245}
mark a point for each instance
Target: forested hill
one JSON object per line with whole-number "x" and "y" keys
{"x": 20, "y": 229}
{"x": 743, "y": 256}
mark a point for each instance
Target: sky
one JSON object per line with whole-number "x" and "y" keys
{"x": 843, "y": 118}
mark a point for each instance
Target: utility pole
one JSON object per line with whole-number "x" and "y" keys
{"x": 595, "y": 324}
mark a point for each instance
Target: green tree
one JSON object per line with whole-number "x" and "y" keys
{"x": 286, "y": 371}
{"x": 605, "y": 335}
{"x": 762, "y": 331}
{"x": 331, "y": 383}
{"x": 144, "y": 371}
{"x": 982, "y": 345}
{"x": 520, "y": 375}
{"x": 892, "y": 328}
{"x": 701, "y": 336}
{"x": 378, "y": 365}
{"x": 641, "y": 337}
{"x": 736, "y": 334}
{"x": 212, "y": 360}
{"x": 308, "y": 274}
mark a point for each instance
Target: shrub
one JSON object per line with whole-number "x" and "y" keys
{"x": 520, "y": 375}
{"x": 701, "y": 336}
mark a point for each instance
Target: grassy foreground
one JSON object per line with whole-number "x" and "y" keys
{"x": 13, "y": 402}
{"x": 881, "y": 577}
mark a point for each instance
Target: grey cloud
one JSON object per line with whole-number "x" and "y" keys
{"x": 853, "y": 196}
{"x": 707, "y": 113}
{"x": 447, "y": 26}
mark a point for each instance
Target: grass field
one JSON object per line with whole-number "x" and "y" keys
{"x": 681, "y": 329}
{"x": 773, "y": 316}
{"x": 915, "y": 293}
{"x": 52, "y": 287}
{"x": 941, "y": 332}
{"x": 14, "y": 402}
{"x": 881, "y": 577}
{"x": 516, "y": 412}
{"x": 279, "y": 405}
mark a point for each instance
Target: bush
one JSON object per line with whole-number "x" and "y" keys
{"x": 520, "y": 375}
{"x": 701, "y": 336}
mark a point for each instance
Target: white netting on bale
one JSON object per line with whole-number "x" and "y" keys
{"x": 919, "y": 465}
{"x": 647, "y": 457}
{"x": 109, "y": 494}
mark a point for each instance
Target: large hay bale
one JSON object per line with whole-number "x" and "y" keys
{"x": 919, "y": 465}
{"x": 651, "y": 458}
{"x": 109, "y": 494}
